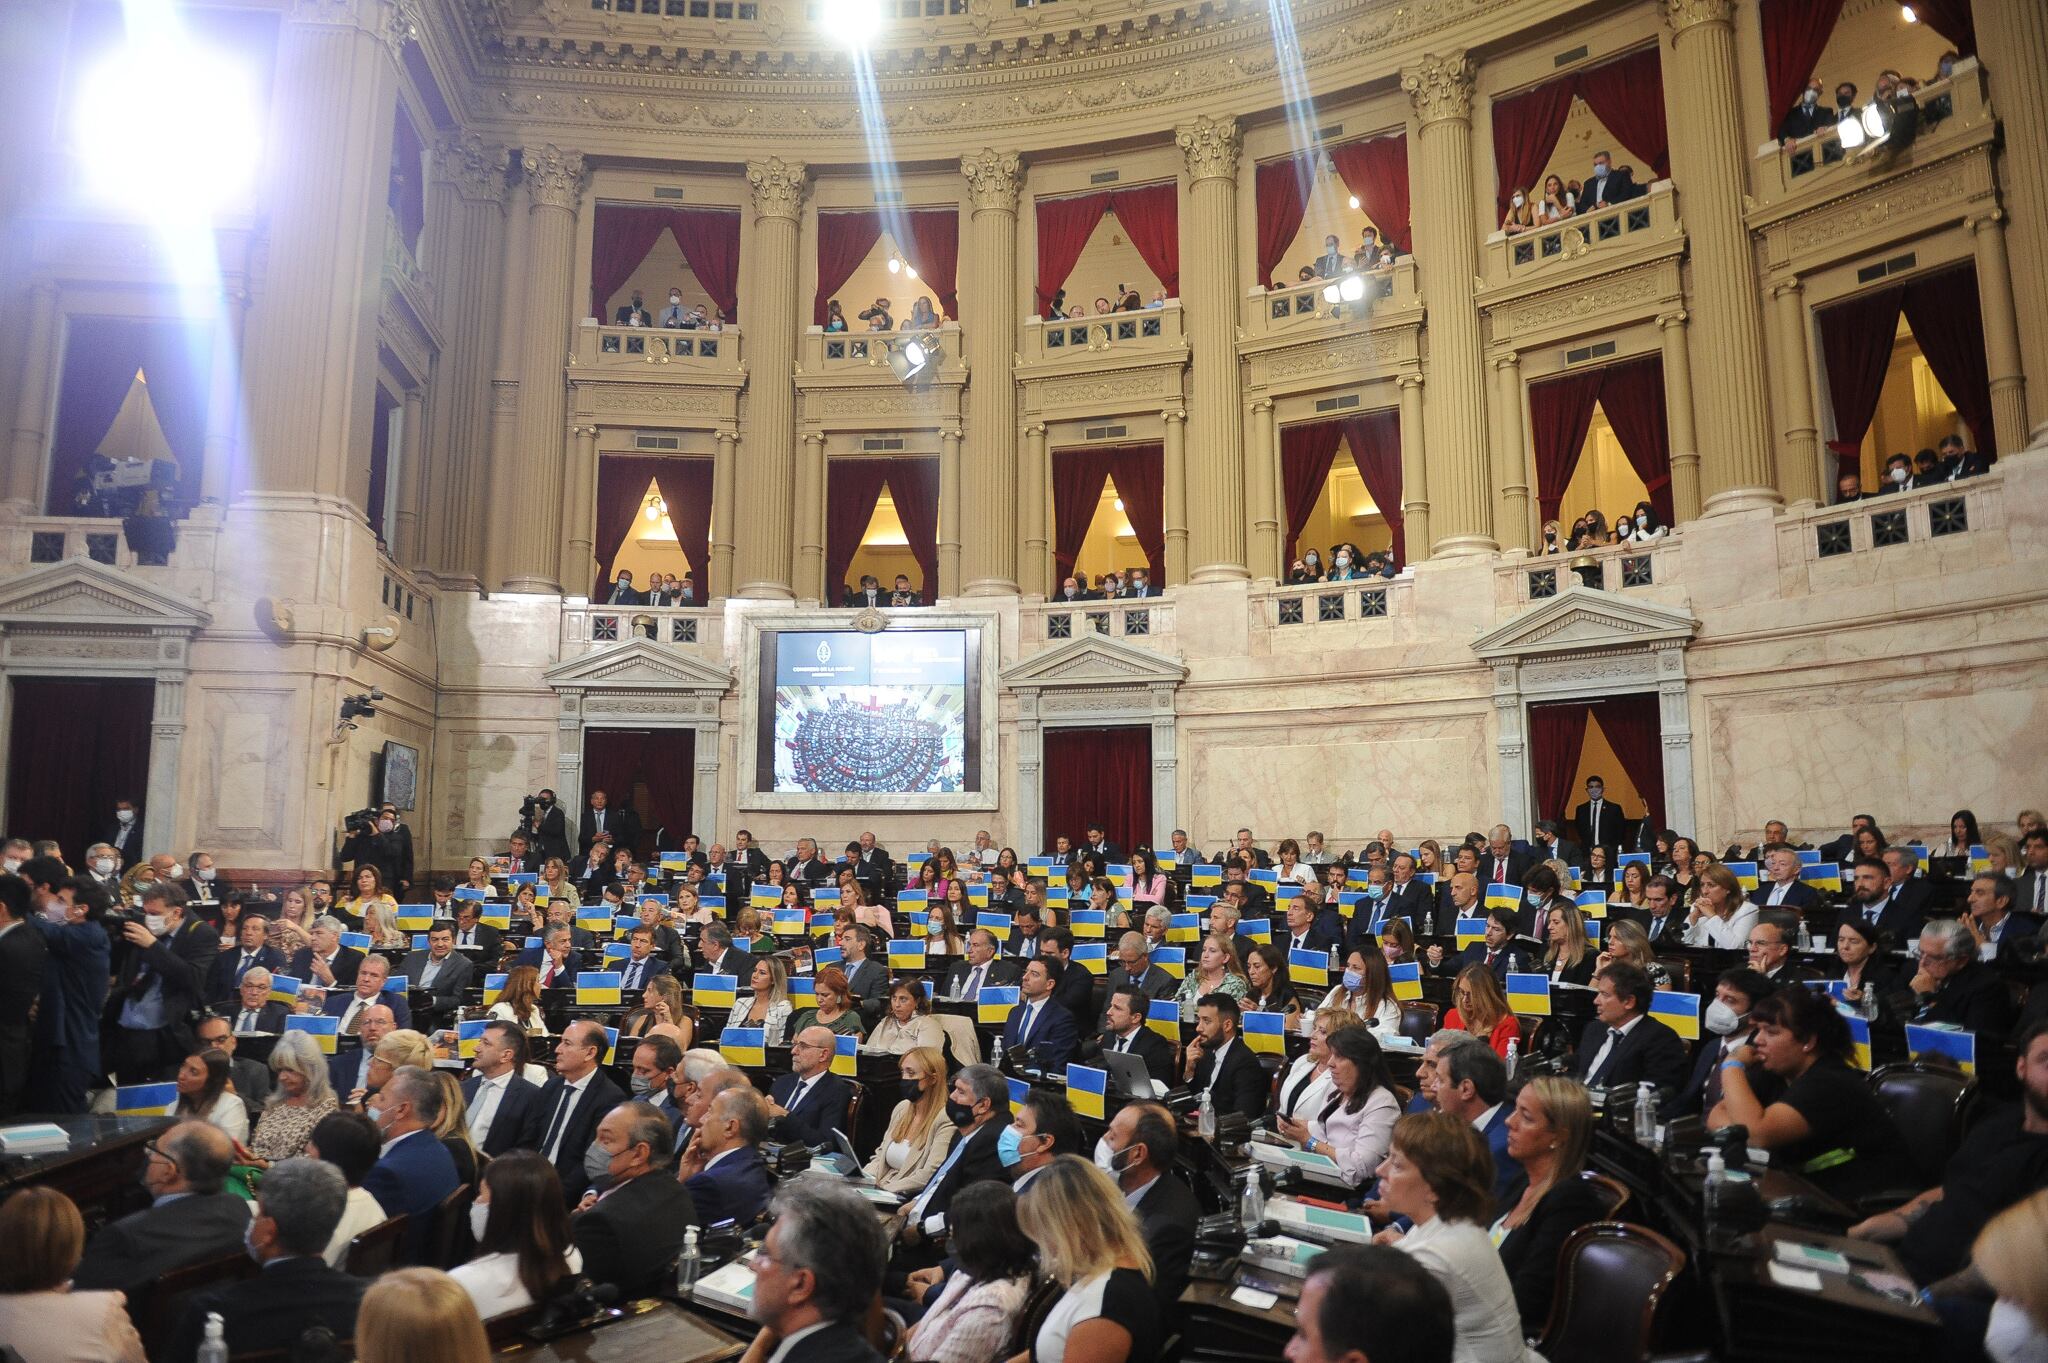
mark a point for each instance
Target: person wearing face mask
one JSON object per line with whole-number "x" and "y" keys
{"x": 103, "y": 867}
{"x": 1807, "y": 117}
{"x": 1646, "y": 526}
{"x": 124, "y": 834}
{"x": 199, "y": 885}
{"x": 546, "y": 825}
{"x": 1610, "y": 184}
{"x": 1727, "y": 1023}
{"x": 1043, "y": 1129}
{"x": 1341, "y": 564}
{"x": 562, "y": 1123}
{"x": 633, "y": 314}
{"x": 631, "y": 1222}
{"x": 414, "y": 1171}
{"x": 979, "y": 1105}
{"x": 1521, "y": 214}
{"x": 1138, "y": 1151}
{"x": 160, "y": 985}
{"x": 919, "y": 1134}
{"x": 1898, "y": 475}
{"x": 523, "y": 1243}
{"x": 675, "y": 316}
{"x": 68, "y": 914}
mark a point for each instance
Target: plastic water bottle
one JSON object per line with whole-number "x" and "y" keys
{"x": 995, "y": 1055}
{"x": 214, "y": 1347}
{"x": 1646, "y": 1114}
{"x": 1716, "y": 1184}
{"x": 1336, "y": 966}
{"x": 1206, "y": 1119}
{"x": 688, "y": 1264}
{"x": 1514, "y": 1054}
{"x": 1251, "y": 1202}
{"x": 1805, "y": 938}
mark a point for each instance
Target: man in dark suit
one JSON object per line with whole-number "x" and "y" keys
{"x": 1124, "y": 1029}
{"x": 1997, "y": 925}
{"x": 555, "y": 957}
{"x": 592, "y": 871}
{"x": 1626, "y": 1045}
{"x": 1662, "y": 920}
{"x": 369, "y": 990}
{"x": 563, "y": 1121}
{"x": 1098, "y": 844}
{"x": 622, "y": 824}
{"x": 821, "y": 1269}
{"x": 251, "y": 952}
{"x": 1608, "y": 184}
{"x": 1843, "y": 848}
{"x": 546, "y": 827}
{"x": 1779, "y": 886}
{"x": 979, "y": 1103}
{"x": 251, "y": 1078}
{"x": 633, "y": 314}
{"x": 630, "y": 1230}
{"x": 297, "y": 1210}
{"x": 809, "y": 1102}
{"x": 1140, "y": 585}
{"x": 1727, "y": 1030}
{"x": 722, "y": 1167}
{"x": 24, "y": 956}
{"x": 746, "y": 858}
{"x": 124, "y": 834}
{"x": 441, "y": 970}
{"x": 1073, "y": 986}
{"x": 868, "y": 593}
{"x": 717, "y": 956}
{"x": 1959, "y": 462}
{"x": 1301, "y": 933}
{"x": 525, "y": 858}
{"x": 348, "y": 1069}
{"x": 807, "y": 867}
{"x": 1472, "y": 1085}
{"x": 2030, "y": 889}
{"x": 1134, "y": 970}
{"x": 1954, "y": 985}
{"x": 472, "y": 932}
{"x": 1498, "y": 953}
{"x": 64, "y": 1059}
{"x": 642, "y": 965}
{"x": 871, "y": 864}
{"x": 499, "y": 1102}
{"x": 161, "y": 983}
{"x": 1598, "y": 822}
{"x": 252, "y": 1013}
{"x": 1408, "y": 897}
{"x": 979, "y": 967}
{"x": 1143, "y": 1147}
{"x": 867, "y": 979}
{"x": 415, "y": 1171}
{"x": 190, "y": 1219}
{"x": 1551, "y": 843}
{"x": 1771, "y": 938}
{"x": 904, "y": 594}
{"x": 326, "y": 962}
{"x": 1221, "y": 1065}
{"x": 1503, "y": 863}
{"x": 1039, "y": 1026}
{"x": 1807, "y": 117}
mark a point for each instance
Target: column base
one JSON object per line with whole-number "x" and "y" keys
{"x": 1459, "y": 546}
{"x": 530, "y": 586}
{"x": 990, "y": 586}
{"x": 766, "y": 591}
{"x": 1742, "y": 499}
{"x": 1221, "y": 572}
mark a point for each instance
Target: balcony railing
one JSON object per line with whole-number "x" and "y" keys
{"x": 1147, "y": 619}
{"x": 399, "y": 260}
{"x": 1157, "y": 328}
{"x": 615, "y": 348}
{"x": 848, "y": 352}
{"x": 1949, "y": 111}
{"x": 1648, "y": 221}
{"x": 29, "y": 541}
{"x": 1301, "y": 307}
{"x": 1611, "y": 568}
{"x": 1918, "y": 517}
{"x": 594, "y": 626}
{"x": 1329, "y": 603}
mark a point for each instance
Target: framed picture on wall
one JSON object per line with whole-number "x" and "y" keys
{"x": 400, "y": 778}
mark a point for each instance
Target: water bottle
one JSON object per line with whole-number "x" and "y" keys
{"x": 214, "y": 1347}
{"x": 1336, "y": 965}
{"x": 1206, "y": 1120}
{"x": 1514, "y": 1054}
{"x": 995, "y": 1055}
{"x": 1646, "y": 1114}
{"x": 1716, "y": 1185}
{"x": 688, "y": 1264}
{"x": 1805, "y": 938}
{"x": 1251, "y": 1202}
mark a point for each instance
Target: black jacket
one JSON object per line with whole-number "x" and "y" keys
{"x": 1650, "y": 1051}
{"x": 454, "y": 976}
{"x": 622, "y": 824}
{"x": 1075, "y": 992}
{"x": 271, "y": 1310}
{"x": 1243, "y": 1085}
{"x": 515, "y": 1110}
{"x": 579, "y": 1129}
{"x": 836, "y": 1343}
{"x": 1167, "y": 1216}
{"x": 633, "y": 1232}
{"x": 1529, "y": 1253}
{"x": 1519, "y": 864}
{"x": 181, "y": 959}
{"x": 978, "y": 1162}
{"x": 139, "y": 1249}
{"x": 1612, "y": 830}
{"x": 1155, "y": 1050}
{"x": 1974, "y": 999}
{"x": 823, "y": 1109}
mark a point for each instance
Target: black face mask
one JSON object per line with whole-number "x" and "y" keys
{"x": 1844, "y": 101}
{"x": 961, "y": 1113}
{"x": 912, "y": 1091}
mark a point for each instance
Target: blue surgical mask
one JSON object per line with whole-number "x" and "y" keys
{"x": 1375, "y": 891}
{"x": 1009, "y": 1147}
{"x": 1534, "y": 896}
{"x": 1600, "y": 172}
{"x": 1354, "y": 980}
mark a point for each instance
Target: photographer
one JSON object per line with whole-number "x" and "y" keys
{"x": 160, "y": 983}
{"x": 375, "y": 838}
{"x": 544, "y": 825}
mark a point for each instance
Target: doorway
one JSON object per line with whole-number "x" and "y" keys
{"x": 654, "y": 771}
{"x": 1104, "y": 775}
{"x": 1617, "y": 738}
{"x": 75, "y": 745}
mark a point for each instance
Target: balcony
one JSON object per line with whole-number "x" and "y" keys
{"x": 586, "y": 628}
{"x": 1954, "y": 115}
{"x": 1364, "y": 600}
{"x": 1304, "y": 311}
{"x": 656, "y": 354}
{"x": 1611, "y": 568}
{"x": 1592, "y": 242}
{"x": 849, "y": 353}
{"x": 1945, "y": 530}
{"x": 30, "y": 541}
{"x": 1148, "y": 621}
{"x": 1148, "y": 335}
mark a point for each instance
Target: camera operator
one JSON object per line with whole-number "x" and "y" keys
{"x": 545, "y": 826}
{"x": 375, "y": 838}
{"x": 160, "y": 985}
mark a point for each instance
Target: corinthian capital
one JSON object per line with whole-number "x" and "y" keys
{"x": 1209, "y": 146}
{"x": 1684, "y": 14}
{"x": 991, "y": 179}
{"x": 554, "y": 177}
{"x": 394, "y": 22}
{"x": 778, "y": 187}
{"x": 1441, "y": 87}
{"x": 475, "y": 167}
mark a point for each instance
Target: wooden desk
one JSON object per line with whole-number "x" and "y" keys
{"x": 649, "y": 1329}
{"x": 1215, "y": 1329}
{"x": 100, "y": 1172}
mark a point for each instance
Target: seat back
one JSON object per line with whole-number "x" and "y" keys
{"x": 1926, "y": 1103}
{"x": 1613, "y": 1193}
{"x": 1610, "y": 1279}
{"x": 375, "y": 1250}
{"x": 853, "y": 1105}
{"x": 162, "y": 1303}
{"x": 1419, "y": 1021}
{"x": 960, "y": 1031}
{"x": 446, "y": 1244}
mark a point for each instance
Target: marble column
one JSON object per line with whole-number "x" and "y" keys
{"x": 1440, "y": 91}
{"x": 35, "y": 402}
{"x": 2001, "y": 332}
{"x": 1208, "y": 289}
{"x": 948, "y": 585}
{"x": 580, "y": 568}
{"x": 412, "y": 480}
{"x": 465, "y": 243}
{"x": 2014, "y": 35}
{"x": 809, "y": 581}
{"x": 1799, "y": 456}
{"x": 1174, "y": 494}
{"x": 538, "y": 555}
{"x": 762, "y": 561}
{"x": 1034, "y": 493}
{"x": 1261, "y": 494}
{"x": 498, "y": 531}
{"x": 223, "y": 448}
{"x": 1414, "y": 473}
{"x": 988, "y": 289}
{"x": 1680, "y": 437}
{"x": 714, "y": 581}
{"x": 1511, "y": 462}
{"x": 1709, "y": 158}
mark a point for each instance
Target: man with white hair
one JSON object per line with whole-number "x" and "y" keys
{"x": 1953, "y": 985}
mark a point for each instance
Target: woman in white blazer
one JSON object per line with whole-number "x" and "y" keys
{"x": 920, "y": 1133}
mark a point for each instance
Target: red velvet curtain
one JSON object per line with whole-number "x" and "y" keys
{"x": 685, "y": 484}
{"x": 1375, "y": 441}
{"x": 1953, "y": 20}
{"x": 1100, "y": 775}
{"x": 844, "y": 240}
{"x": 101, "y": 355}
{"x": 1139, "y": 472}
{"x": 710, "y": 238}
{"x": 1376, "y": 170}
{"x": 852, "y": 487}
{"x": 652, "y": 769}
{"x": 934, "y": 248}
{"x": 1557, "y": 734}
{"x": 1151, "y": 215}
{"x": 621, "y": 492}
{"x": 914, "y": 486}
{"x": 1525, "y": 131}
{"x": 1942, "y": 309}
{"x": 1635, "y": 731}
{"x": 1627, "y": 95}
{"x": 1560, "y": 412}
{"x": 1795, "y": 33}
{"x": 1077, "y": 479}
{"x": 1280, "y": 192}
{"x": 77, "y": 745}
{"x": 621, "y": 235}
{"x": 1856, "y": 348}
{"x": 1064, "y": 226}
{"x": 1632, "y": 395}
{"x": 1307, "y": 449}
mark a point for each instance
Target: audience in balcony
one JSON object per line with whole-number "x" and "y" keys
{"x": 835, "y": 320}
{"x": 1644, "y": 526}
{"x": 878, "y": 317}
{"x": 1557, "y": 204}
{"x": 1611, "y": 184}
{"x": 622, "y": 592}
{"x": 1807, "y": 117}
{"x": 633, "y": 314}
{"x": 923, "y": 317}
{"x": 1347, "y": 564}
{"x": 1331, "y": 262}
{"x": 1849, "y": 487}
{"x": 1958, "y": 462}
{"x": 1521, "y": 216}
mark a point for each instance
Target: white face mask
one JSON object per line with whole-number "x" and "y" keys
{"x": 1721, "y": 1019}
{"x": 1106, "y": 1157}
{"x": 1518, "y": 201}
{"x": 1898, "y": 475}
{"x": 205, "y": 874}
{"x": 675, "y": 298}
{"x": 104, "y": 865}
{"x": 177, "y": 871}
{"x": 1810, "y": 98}
{"x": 1343, "y": 560}
{"x": 1643, "y": 522}
{"x": 12, "y": 864}
{"x": 154, "y": 922}
{"x": 479, "y": 1215}
{"x": 125, "y": 815}
{"x": 386, "y": 825}
{"x": 2010, "y": 1337}
{"x": 55, "y": 912}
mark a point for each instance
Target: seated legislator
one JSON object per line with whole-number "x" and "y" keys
{"x": 440, "y": 969}
{"x": 1498, "y": 951}
{"x": 1471, "y": 1083}
{"x": 919, "y": 1132}
{"x": 908, "y": 1025}
{"x": 1305, "y": 1087}
{"x": 1089, "y": 1244}
{"x": 1358, "y": 1117}
{"x": 43, "y": 1317}
{"x": 1125, "y": 1030}
{"x": 1366, "y": 991}
{"x": 1370, "y": 1302}
{"x": 817, "y": 1277}
{"x": 415, "y": 1171}
{"x": 190, "y": 1218}
{"x": 300, "y": 1095}
{"x": 1138, "y": 1151}
{"x": 979, "y": 1105}
{"x": 1624, "y": 1045}
{"x": 809, "y": 1102}
{"x": 1219, "y": 1065}
{"x": 350, "y": 1142}
{"x": 978, "y": 1308}
{"x": 631, "y": 1227}
{"x": 203, "y": 1094}
{"x": 1729, "y": 1028}
{"x": 1039, "y": 1027}
{"x": 562, "y": 1121}
{"x": 723, "y": 1169}
{"x": 1719, "y": 918}
{"x": 1265, "y": 966}
{"x": 523, "y": 1250}
{"x": 1827, "y": 1125}
{"x": 982, "y": 965}
{"x": 1482, "y": 1009}
{"x": 1953, "y": 985}
{"x": 1549, "y": 1135}
{"x": 835, "y": 1010}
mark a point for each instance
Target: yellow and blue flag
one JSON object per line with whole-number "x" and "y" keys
{"x": 744, "y": 1045}
{"x": 1092, "y": 957}
{"x": 802, "y": 991}
{"x": 1087, "y": 1090}
{"x": 1263, "y": 875}
{"x": 611, "y": 1046}
{"x": 359, "y": 940}
{"x": 145, "y": 1100}
{"x": 1426, "y": 878}
{"x": 1172, "y": 960}
{"x": 997, "y": 925}
{"x": 713, "y": 902}
{"x": 596, "y": 988}
{"x": 674, "y": 863}
{"x": 1641, "y": 859}
{"x": 496, "y": 914}
{"x": 1360, "y": 876}
{"x": 618, "y": 951}
{"x": 1822, "y": 876}
{"x": 326, "y": 1031}
{"x": 469, "y": 892}
{"x": 824, "y": 956}
{"x": 1677, "y": 1010}
{"x": 1163, "y": 1017}
{"x": 1980, "y": 859}
{"x": 1593, "y": 903}
{"x": 1258, "y": 929}
{"x": 1291, "y": 890}
{"x": 907, "y": 900}
{"x": 1942, "y": 1043}
{"x": 1041, "y": 867}
{"x": 1744, "y": 873}
{"x": 1470, "y": 930}
{"x": 765, "y": 897}
{"x": 1309, "y": 967}
{"x": 1592, "y": 926}
{"x": 413, "y": 917}
{"x": 1184, "y": 927}
{"x": 1407, "y": 980}
{"x": 1119, "y": 871}
{"x": 977, "y": 896}
{"x": 1349, "y": 900}
{"x": 1089, "y": 923}
{"x": 467, "y": 1034}
{"x": 494, "y": 985}
{"x": 906, "y": 953}
{"x": 1265, "y": 1033}
{"x": 825, "y": 901}
{"x": 1205, "y": 875}
{"x": 1503, "y": 897}
{"x": 1859, "y": 1039}
{"x": 920, "y": 923}
{"x": 1020, "y": 1090}
{"x": 1059, "y": 894}
{"x": 284, "y": 989}
{"x": 1529, "y": 995}
{"x": 788, "y": 923}
{"x": 1809, "y": 856}
{"x": 993, "y": 1004}
{"x": 846, "y": 1055}
{"x": 714, "y": 991}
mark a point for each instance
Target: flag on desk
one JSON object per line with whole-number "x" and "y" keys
{"x": 912, "y": 901}
{"x": 1089, "y": 922}
{"x": 397, "y": 984}
{"x": 1119, "y": 871}
{"x": 494, "y": 985}
{"x": 1678, "y": 1011}
{"x": 802, "y": 991}
{"x": 1529, "y": 995}
{"x": 419, "y": 941}
{"x": 1503, "y": 897}
{"x": 1592, "y": 902}
{"x": 714, "y": 991}
{"x": 284, "y": 989}
{"x": 1822, "y": 876}
{"x": 765, "y": 897}
{"x": 1059, "y": 894}
{"x": 467, "y": 1034}
{"x": 788, "y": 922}
{"x": 846, "y": 1055}
{"x": 496, "y": 915}
{"x": 1184, "y": 927}
{"x": 1470, "y": 930}
{"x": 713, "y": 880}
{"x": 1041, "y": 868}
{"x": 1309, "y": 967}
{"x": 1980, "y": 859}
{"x": 674, "y": 863}
{"x": 1744, "y": 873}
{"x": 1359, "y": 875}
{"x": 1086, "y": 1089}
{"x": 1942, "y": 1043}
{"x": 906, "y": 953}
{"x": 1349, "y": 900}
{"x": 1258, "y": 929}
{"x": 359, "y": 940}
{"x": 1264, "y": 875}
{"x": 1265, "y": 1033}
{"x": 1429, "y": 878}
{"x": 1636, "y": 858}
{"x": 1172, "y": 960}
{"x": 977, "y": 896}
{"x": 1809, "y": 856}
{"x": 618, "y": 951}
{"x": 1291, "y": 890}
{"x": 1163, "y": 1017}
{"x": 916, "y": 860}
{"x": 714, "y": 902}
{"x": 1593, "y": 931}
{"x": 920, "y": 922}
{"x": 1206, "y": 875}
{"x": 145, "y": 1100}
{"x": 1859, "y": 1039}
{"x": 993, "y": 1004}
{"x": 1019, "y": 1091}
{"x": 471, "y": 892}
{"x": 744, "y": 1045}
{"x": 825, "y": 901}
{"x": 1092, "y": 957}
{"x": 824, "y": 956}
{"x": 611, "y": 1046}
{"x": 517, "y": 878}
{"x": 997, "y": 925}
{"x": 413, "y": 917}
{"x": 325, "y": 1031}
{"x": 1407, "y": 980}
{"x": 597, "y": 988}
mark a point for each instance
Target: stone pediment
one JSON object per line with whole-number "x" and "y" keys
{"x": 1095, "y": 660}
{"x": 638, "y": 665}
{"x": 1581, "y": 619}
{"x": 81, "y": 594}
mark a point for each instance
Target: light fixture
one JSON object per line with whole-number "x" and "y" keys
{"x": 895, "y": 265}
{"x": 852, "y": 24}
{"x": 910, "y": 270}
{"x": 1849, "y": 132}
{"x": 170, "y": 125}
{"x": 1906, "y": 13}
{"x": 656, "y": 508}
{"x": 1876, "y": 120}
{"x": 1348, "y": 289}
{"x": 1354, "y": 203}
{"x": 1119, "y": 504}
{"x": 915, "y": 358}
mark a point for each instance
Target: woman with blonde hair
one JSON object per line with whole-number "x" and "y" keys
{"x": 380, "y": 921}
{"x": 293, "y": 926}
{"x": 1521, "y": 214}
{"x": 42, "y": 1238}
{"x": 300, "y": 1095}
{"x": 920, "y": 1133}
{"x": 1216, "y": 971}
{"x": 660, "y": 1002}
{"x": 1626, "y": 941}
{"x": 419, "y": 1315}
{"x": 1568, "y": 959}
{"x": 519, "y": 1002}
{"x": 452, "y": 1130}
{"x": 1306, "y": 1085}
{"x": 1429, "y": 857}
{"x": 769, "y": 1007}
{"x": 398, "y": 1049}
{"x": 554, "y": 873}
{"x": 1719, "y": 917}
{"x": 1090, "y": 1245}
{"x": 1550, "y": 1132}
{"x": 1481, "y": 1008}
{"x": 479, "y": 878}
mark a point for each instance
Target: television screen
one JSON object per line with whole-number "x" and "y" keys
{"x": 855, "y": 714}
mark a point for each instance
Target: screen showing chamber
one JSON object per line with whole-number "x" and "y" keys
{"x": 855, "y": 714}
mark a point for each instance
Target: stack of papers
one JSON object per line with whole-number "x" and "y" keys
{"x": 731, "y": 1287}
{"x": 1319, "y": 1223}
{"x": 1318, "y": 1168}
{"x": 36, "y": 1138}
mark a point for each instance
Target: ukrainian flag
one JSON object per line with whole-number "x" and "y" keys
{"x": 1197, "y": 903}
{"x": 359, "y": 940}
{"x": 1593, "y": 902}
{"x": 324, "y": 1030}
{"x": 909, "y": 901}
{"x": 284, "y": 989}
{"x": 469, "y": 892}
{"x": 1503, "y": 897}
{"x": 1184, "y": 927}
{"x": 824, "y": 956}
{"x": 1632, "y": 859}
{"x": 1172, "y": 960}
{"x": 825, "y": 901}
{"x": 1358, "y": 875}
{"x": 1980, "y": 859}
{"x": 744, "y": 1045}
{"x": 611, "y": 1045}
{"x": 1678, "y": 1011}
{"x": 1859, "y": 1040}
{"x": 1426, "y": 878}
{"x": 1529, "y": 995}
{"x": 1206, "y": 875}
{"x": 618, "y": 951}
{"x": 1264, "y": 875}
{"x": 1470, "y": 930}
{"x": 1163, "y": 1017}
{"x": 595, "y": 988}
{"x": 714, "y": 991}
{"x": 419, "y": 941}
{"x": 1089, "y": 922}
{"x": 788, "y": 923}
{"x": 920, "y": 923}
{"x": 1291, "y": 890}
{"x": 1809, "y": 856}
{"x": 1092, "y": 957}
{"x": 994, "y": 1002}
{"x": 517, "y": 878}
{"x": 1744, "y": 873}
{"x": 1822, "y": 877}
{"x": 715, "y": 880}
{"x": 145, "y": 1100}
{"x": 674, "y": 863}
{"x": 1940, "y": 1043}
{"x": 765, "y": 897}
{"x": 1348, "y": 902}
{"x": 1086, "y": 1090}
{"x": 1059, "y": 894}
{"x": 845, "y": 1055}
{"x": 916, "y": 860}
{"x": 396, "y": 984}
{"x": 1019, "y": 1091}
{"x": 541, "y": 895}
{"x": 977, "y": 896}
{"x": 1578, "y": 876}
{"x": 1309, "y": 967}
{"x": 906, "y": 953}
{"x": 1258, "y": 929}
{"x": 467, "y": 1034}
{"x": 1407, "y": 980}
{"x": 494, "y": 985}
{"x": 496, "y": 915}
{"x": 413, "y": 917}
{"x": 802, "y": 991}
{"x": 1265, "y": 1033}
{"x": 713, "y": 902}
{"x": 997, "y": 925}
{"x": 1041, "y": 867}
{"x": 1593, "y": 931}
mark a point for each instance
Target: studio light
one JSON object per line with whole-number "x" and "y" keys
{"x": 1849, "y": 132}
{"x": 853, "y": 24}
{"x": 1875, "y": 121}
{"x": 1349, "y": 289}
{"x": 915, "y": 358}
{"x": 1354, "y": 203}
{"x": 895, "y": 265}
{"x": 169, "y": 128}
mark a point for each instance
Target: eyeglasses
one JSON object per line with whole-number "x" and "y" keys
{"x": 811, "y": 1046}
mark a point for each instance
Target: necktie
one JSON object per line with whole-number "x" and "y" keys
{"x": 547, "y": 976}
{"x": 796, "y": 1099}
{"x": 633, "y": 975}
{"x": 355, "y": 1009}
{"x": 1491, "y": 952}
{"x": 1030, "y": 1018}
{"x": 247, "y": 1022}
{"x": 2040, "y": 891}
{"x": 553, "y": 1141}
{"x": 974, "y": 982}
{"x": 488, "y": 1092}
{"x": 1123, "y": 1043}
{"x": 248, "y": 959}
